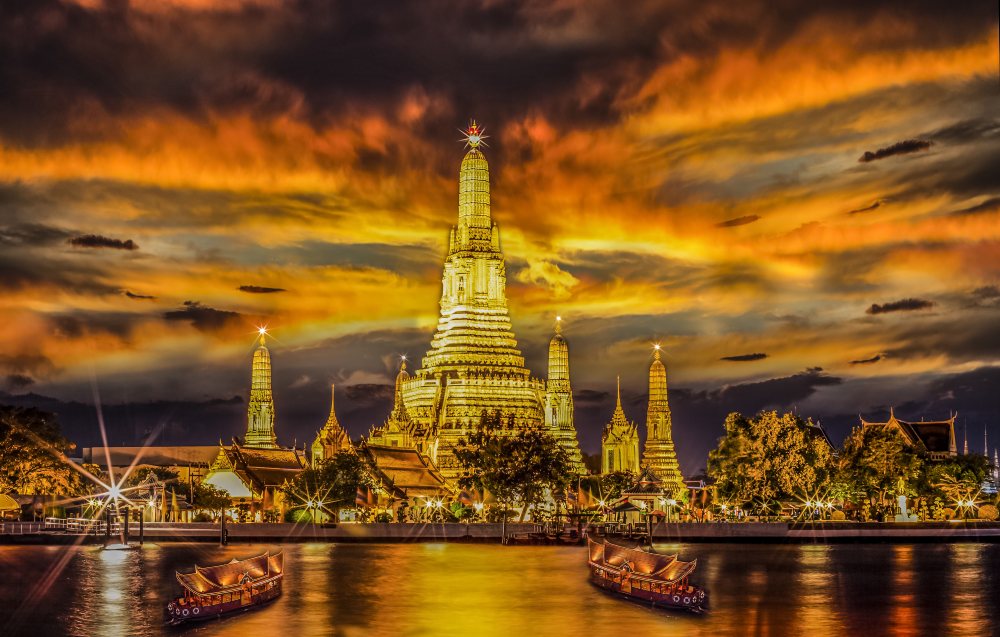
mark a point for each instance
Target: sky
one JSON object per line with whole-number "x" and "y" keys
{"x": 799, "y": 200}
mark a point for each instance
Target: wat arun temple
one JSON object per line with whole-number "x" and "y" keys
{"x": 473, "y": 367}
{"x": 473, "y": 372}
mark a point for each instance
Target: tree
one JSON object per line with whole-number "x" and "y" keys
{"x": 515, "y": 466}
{"x": 770, "y": 457}
{"x": 958, "y": 479}
{"x": 612, "y": 484}
{"x": 33, "y": 454}
{"x": 874, "y": 464}
{"x": 330, "y": 483}
{"x": 210, "y": 498}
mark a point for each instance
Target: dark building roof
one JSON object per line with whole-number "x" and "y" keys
{"x": 264, "y": 467}
{"x": 937, "y": 437}
{"x": 404, "y": 472}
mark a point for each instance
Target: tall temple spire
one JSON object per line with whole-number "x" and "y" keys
{"x": 399, "y": 414}
{"x": 620, "y": 440}
{"x": 965, "y": 445}
{"x": 332, "y": 438}
{"x": 260, "y": 410}
{"x": 659, "y": 454}
{"x": 559, "y": 399}
{"x": 331, "y": 421}
{"x": 473, "y": 367}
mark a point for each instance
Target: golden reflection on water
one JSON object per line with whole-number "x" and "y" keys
{"x": 490, "y": 590}
{"x": 817, "y": 589}
{"x": 967, "y": 590}
{"x": 903, "y": 618}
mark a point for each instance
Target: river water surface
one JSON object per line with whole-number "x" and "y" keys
{"x": 461, "y": 589}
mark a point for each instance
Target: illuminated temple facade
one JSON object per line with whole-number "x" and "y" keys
{"x": 659, "y": 454}
{"x": 474, "y": 367}
{"x": 620, "y": 441}
{"x": 253, "y": 469}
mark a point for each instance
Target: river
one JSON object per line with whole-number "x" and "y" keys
{"x": 461, "y": 589}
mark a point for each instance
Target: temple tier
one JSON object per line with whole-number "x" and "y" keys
{"x": 260, "y": 411}
{"x": 473, "y": 368}
{"x": 659, "y": 454}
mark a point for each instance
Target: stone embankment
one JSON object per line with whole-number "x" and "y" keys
{"x": 719, "y": 532}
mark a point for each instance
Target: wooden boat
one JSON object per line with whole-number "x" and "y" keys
{"x": 237, "y": 586}
{"x": 661, "y": 580}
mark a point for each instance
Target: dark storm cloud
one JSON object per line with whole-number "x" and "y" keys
{"x": 20, "y": 271}
{"x": 259, "y": 289}
{"x": 873, "y": 206}
{"x": 738, "y": 221}
{"x": 987, "y": 292}
{"x": 966, "y": 131}
{"x": 365, "y": 394}
{"x": 18, "y": 381}
{"x": 133, "y": 295}
{"x": 868, "y": 361}
{"x": 590, "y": 396}
{"x": 313, "y": 60}
{"x": 903, "y": 305}
{"x": 33, "y": 364}
{"x": 990, "y": 205}
{"x": 403, "y": 259}
{"x": 32, "y": 234}
{"x": 73, "y": 325}
{"x": 964, "y": 175}
{"x": 100, "y": 241}
{"x": 978, "y": 338}
{"x": 758, "y": 356}
{"x": 899, "y": 148}
{"x": 204, "y": 318}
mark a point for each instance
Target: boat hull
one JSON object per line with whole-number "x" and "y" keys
{"x": 693, "y": 601}
{"x": 176, "y": 614}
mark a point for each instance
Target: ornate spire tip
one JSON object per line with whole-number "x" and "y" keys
{"x": 474, "y": 135}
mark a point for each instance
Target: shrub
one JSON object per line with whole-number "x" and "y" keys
{"x": 383, "y": 518}
{"x": 988, "y": 512}
{"x": 202, "y": 516}
{"x": 838, "y": 516}
{"x": 948, "y": 514}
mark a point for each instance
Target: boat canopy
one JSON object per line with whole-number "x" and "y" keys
{"x": 666, "y": 568}
{"x": 217, "y": 579}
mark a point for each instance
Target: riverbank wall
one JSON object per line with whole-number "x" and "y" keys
{"x": 828, "y": 532}
{"x": 718, "y": 532}
{"x": 280, "y": 533}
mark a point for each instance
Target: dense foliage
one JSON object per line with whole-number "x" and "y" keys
{"x": 333, "y": 482}
{"x": 768, "y": 458}
{"x": 33, "y": 455}
{"x": 771, "y": 458}
{"x": 515, "y": 466}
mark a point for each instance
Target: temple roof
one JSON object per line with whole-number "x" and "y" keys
{"x": 648, "y": 483}
{"x": 258, "y": 468}
{"x": 619, "y": 426}
{"x": 404, "y": 471}
{"x": 936, "y": 436}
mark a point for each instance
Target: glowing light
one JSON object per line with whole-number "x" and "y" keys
{"x": 656, "y": 346}
{"x": 114, "y": 492}
{"x": 672, "y": 502}
{"x": 474, "y": 135}
{"x": 479, "y": 506}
